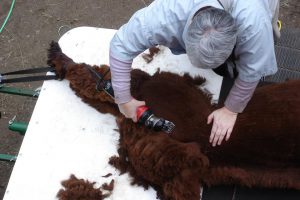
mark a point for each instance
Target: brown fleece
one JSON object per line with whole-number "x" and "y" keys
{"x": 263, "y": 149}
{"x": 79, "y": 189}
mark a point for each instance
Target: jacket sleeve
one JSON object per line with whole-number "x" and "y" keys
{"x": 239, "y": 95}
{"x": 132, "y": 38}
{"x": 129, "y": 41}
{"x": 120, "y": 73}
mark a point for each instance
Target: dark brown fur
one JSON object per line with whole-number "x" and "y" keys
{"x": 79, "y": 189}
{"x": 148, "y": 57}
{"x": 263, "y": 150}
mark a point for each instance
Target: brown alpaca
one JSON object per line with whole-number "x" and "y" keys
{"x": 263, "y": 150}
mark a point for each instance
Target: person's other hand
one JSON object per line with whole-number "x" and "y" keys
{"x": 129, "y": 109}
{"x": 223, "y": 123}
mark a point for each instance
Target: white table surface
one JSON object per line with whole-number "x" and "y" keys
{"x": 66, "y": 136}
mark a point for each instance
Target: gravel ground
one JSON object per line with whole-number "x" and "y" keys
{"x": 31, "y": 27}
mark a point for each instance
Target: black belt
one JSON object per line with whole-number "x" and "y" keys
{"x": 100, "y": 82}
{"x": 28, "y": 78}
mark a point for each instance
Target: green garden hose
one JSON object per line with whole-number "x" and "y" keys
{"x": 7, "y": 17}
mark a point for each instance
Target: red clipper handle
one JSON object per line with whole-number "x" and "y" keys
{"x": 140, "y": 110}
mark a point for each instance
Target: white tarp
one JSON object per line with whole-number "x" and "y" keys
{"x": 66, "y": 136}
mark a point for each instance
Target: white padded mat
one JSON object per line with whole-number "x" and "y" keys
{"x": 66, "y": 136}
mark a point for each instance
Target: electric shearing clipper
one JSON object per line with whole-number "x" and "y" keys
{"x": 144, "y": 114}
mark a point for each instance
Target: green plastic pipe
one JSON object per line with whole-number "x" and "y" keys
{"x": 7, "y": 157}
{"x": 20, "y": 127}
{"x": 18, "y": 91}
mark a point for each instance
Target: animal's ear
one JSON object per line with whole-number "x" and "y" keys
{"x": 58, "y": 60}
{"x": 53, "y": 51}
{"x": 197, "y": 80}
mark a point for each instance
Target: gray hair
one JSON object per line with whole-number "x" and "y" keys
{"x": 210, "y": 38}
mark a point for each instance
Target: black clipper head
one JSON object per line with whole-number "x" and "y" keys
{"x": 155, "y": 123}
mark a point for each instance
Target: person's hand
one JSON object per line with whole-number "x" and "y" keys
{"x": 129, "y": 109}
{"x": 223, "y": 123}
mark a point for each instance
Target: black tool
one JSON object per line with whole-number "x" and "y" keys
{"x": 144, "y": 114}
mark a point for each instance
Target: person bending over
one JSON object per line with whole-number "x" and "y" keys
{"x": 235, "y": 38}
